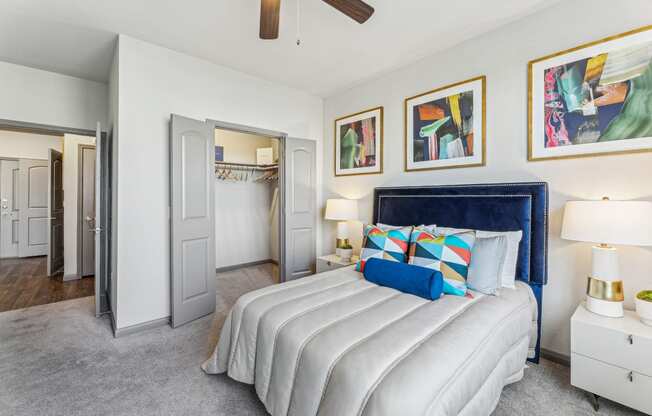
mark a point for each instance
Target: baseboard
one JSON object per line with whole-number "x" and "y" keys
{"x": 241, "y": 265}
{"x": 133, "y": 329}
{"x": 555, "y": 357}
{"x": 70, "y": 277}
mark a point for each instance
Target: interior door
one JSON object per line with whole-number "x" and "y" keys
{"x": 299, "y": 178}
{"x": 33, "y": 206}
{"x": 55, "y": 212}
{"x": 9, "y": 208}
{"x": 192, "y": 219}
{"x": 89, "y": 223}
{"x": 98, "y": 161}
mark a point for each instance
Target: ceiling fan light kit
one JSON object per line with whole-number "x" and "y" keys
{"x": 357, "y": 10}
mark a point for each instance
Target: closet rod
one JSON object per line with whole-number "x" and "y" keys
{"x": 245, "y": 166}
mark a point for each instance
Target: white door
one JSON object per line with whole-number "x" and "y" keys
{"x": 55, "y": 212}
{"x": 192, "y": 219}
{"x": 33, "y": 205}
{"x": 8, "y": 208}
{"x": 100, "y": 221}
{"x": 299, "y": 178}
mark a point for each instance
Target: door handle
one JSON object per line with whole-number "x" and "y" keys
{"x": 96, "y": 230}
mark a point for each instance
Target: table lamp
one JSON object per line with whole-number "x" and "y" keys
{"x": 342, "y": 210}
{"x": 607, "y": 222}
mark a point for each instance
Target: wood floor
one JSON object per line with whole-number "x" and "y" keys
{"x": 24, "y": 282}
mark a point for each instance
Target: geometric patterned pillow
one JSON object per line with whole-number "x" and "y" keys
{"x": 450, "y": 254}
{"x": 389, "y": 245}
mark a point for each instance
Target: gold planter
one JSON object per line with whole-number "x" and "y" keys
{"x": 342, "y": 243}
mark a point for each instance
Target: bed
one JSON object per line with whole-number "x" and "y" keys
{"x": 336, "y": 344}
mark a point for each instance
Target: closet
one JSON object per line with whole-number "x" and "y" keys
{"x": 247, "y": 203}
{"x": 240, "y": 197}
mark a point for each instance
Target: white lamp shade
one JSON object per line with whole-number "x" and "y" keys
{"x": 341, "y": 209}
{"x": 608, "y": 222}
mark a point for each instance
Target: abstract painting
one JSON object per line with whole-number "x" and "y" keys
{"x": 445, "y": 128}
{"x": 359, "y": 143}
{"x": 594, "y": 99}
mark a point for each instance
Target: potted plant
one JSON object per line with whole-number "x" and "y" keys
{"x": 345, "y": 252}
{"x": 644, "y": 306}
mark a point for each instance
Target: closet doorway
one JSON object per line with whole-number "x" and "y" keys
{"x": 242, "y": 200}
{"x": 247, "y": 206}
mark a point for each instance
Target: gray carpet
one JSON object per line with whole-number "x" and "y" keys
{"x": 58, "y": 359}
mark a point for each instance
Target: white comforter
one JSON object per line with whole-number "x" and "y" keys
{"x": 335, "y": 344}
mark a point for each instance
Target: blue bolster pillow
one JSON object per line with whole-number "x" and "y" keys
{"x": 408, "y": 278}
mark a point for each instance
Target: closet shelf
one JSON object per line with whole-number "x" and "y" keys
{"x": 245, "y": 166}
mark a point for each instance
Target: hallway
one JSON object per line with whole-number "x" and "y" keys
{"x": 24, "y": 283}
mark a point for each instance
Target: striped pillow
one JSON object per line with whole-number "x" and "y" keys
{"x": 450, "y": 254}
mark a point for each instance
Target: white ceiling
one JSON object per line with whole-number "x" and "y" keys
{"x": 75, "y": 37}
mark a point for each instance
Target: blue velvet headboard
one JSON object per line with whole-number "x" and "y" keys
{"x": 492, "y": 207}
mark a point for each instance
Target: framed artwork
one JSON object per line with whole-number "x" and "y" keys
{"x": 445, "y": 128}
{"x": 593, "y": 99}
{"x": 359, "y": 143}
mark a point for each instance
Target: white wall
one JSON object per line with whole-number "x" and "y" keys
{"x": 242, "y": 219}
{"x": 154, "y": 82}
{"x": 502, "y": 56}
{"x": 241, "y": 147}
{"x": 37, "y": 96}
{"x": 71, "y": 144}
{"x": 14, "y": 144}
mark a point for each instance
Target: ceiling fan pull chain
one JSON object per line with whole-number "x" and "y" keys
{"x": 298, "y": 23}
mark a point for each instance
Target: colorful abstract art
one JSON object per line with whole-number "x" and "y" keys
{"x": 445, "y": 127}
{"x": 359, "y": 143}
{"x": 593, "y": 99}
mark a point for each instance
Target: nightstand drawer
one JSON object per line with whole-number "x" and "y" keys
{"x": 618, "y": 384}
{"x": 612, "y": 346}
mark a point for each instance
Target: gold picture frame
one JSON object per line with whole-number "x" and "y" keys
{"x": 609, "y": 44}
{"x": 479, "y": 81}
{"x": 379, "y": 133}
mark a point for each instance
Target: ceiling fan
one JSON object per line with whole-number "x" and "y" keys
{"x": 270, "y": 13}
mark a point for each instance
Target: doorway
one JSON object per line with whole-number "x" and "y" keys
{"x": 47, "y": 179}
{"x": 195, "y": 166}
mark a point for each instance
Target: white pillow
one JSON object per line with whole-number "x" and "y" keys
{"x": 511, "y": 257}
{"x": 385, "y": 227}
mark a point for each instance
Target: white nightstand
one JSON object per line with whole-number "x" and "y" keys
{"x": 612, "y": 358}
{"x": 332, "y": 262}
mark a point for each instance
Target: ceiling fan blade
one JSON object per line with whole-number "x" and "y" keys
{"x": 269, "y": 17}
{"x": 357, "y": 10}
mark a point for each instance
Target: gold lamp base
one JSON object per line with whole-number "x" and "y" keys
{"x": 605, "y": 297}
{"x": 342, "y": 243}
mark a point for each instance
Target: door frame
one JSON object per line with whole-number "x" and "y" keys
{"x": 80, "y": 219}
{"x": 48, "y": 129}
{"x": 281, "y": 137}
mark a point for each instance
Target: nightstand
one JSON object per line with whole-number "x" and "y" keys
{"x": 612, "y": 358}
{"x": 332, "y": 262}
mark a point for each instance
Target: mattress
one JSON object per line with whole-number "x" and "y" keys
{"x": 336, "y": 344}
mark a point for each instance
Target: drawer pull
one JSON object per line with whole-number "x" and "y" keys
{"x": 630, "y": 377}
{"x": 330, "y": 264}
{"x": 630, "y": 339}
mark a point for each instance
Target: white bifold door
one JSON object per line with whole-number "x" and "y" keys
{"x": 299, "y": 181}
{"x": 192, "y": 219}
{"x": 33, "y": 207}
